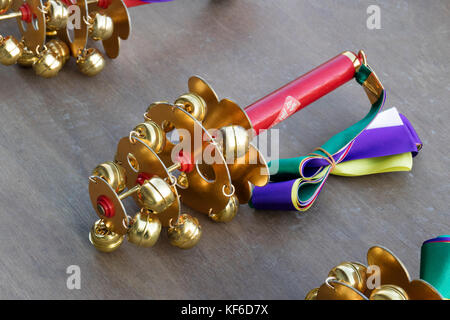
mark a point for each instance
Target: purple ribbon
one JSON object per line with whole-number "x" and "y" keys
{"x": 274, "y": 196}
{"x": 438, "y": 239}
{"x": 378, "y": 142}
{"x": 371, "y": 143}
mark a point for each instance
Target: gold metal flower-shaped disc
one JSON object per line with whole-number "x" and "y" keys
{"x": 76, "y": 37}
{"x": 34, "y": 32}
{"x": 118, "y": 12}
{"x": 393, "y": 271}
{"x": 138, "y": 158}
{"x": 207, "y": 182}
{"x": 200, "y": 87}
{"x": 391, "y": 268}
{"x": 249, "y": 168}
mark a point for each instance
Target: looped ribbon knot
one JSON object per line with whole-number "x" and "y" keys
{"x": 329, "y": 158}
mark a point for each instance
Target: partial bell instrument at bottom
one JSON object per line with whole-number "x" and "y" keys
{"x": 383, "y": 278}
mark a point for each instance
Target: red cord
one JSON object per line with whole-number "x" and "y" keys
{"x": 142, "y": 177}
{"x": 107, "y": 206}
{"x": 69, "y": 2}
{"x": 104, "y": 4}
{"x": 27, "y": 15}
{"x": 186, "y": 162}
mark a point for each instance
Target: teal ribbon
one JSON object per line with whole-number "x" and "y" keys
{"x": 435, "y": 264}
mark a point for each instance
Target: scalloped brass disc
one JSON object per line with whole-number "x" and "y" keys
{"x": 392, "y": 269}
{"x": 199, "y": 86}
{"x": 213, "y": 199}
{"x": 118, "y": 12}
{"x": 80, "y": 35}
{"x": 422, "y": 290}
{"x": 251, "y": 167}
{"x": 149, "y": 163}
{"x": 226, "y": 113}
{"x": 34, "y": 32}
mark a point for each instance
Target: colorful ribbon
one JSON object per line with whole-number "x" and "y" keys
{"x": 380, "y": 142}
{"x": 135, "y": 3}
{"x": 435, "y": 264}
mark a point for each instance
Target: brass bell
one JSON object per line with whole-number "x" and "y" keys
{"x": 389, "y": 292}
{"x": 57, "y": 15}
{"x": 229, "y": 212}
{"x": 113, "y": 174}
{"x": 166, "y": 126}
{"x": 101, "y": 26}
{"x": 144, "y": 230}
{"x": 10, "y": 50}
{"x": 103, "y": 239}
{"x": 155, "y": 195}
{"x": 60, "y": 49}
{"x": 48, "y": 64}
{"x": 27, "y": 58}
{"x": 5, "y": 5}
{"x": 194, "y": 104}
{"x": 91, "y": 62}
{"x": 235, "y": 142}
{"x": 185, "y": 233}
{"x": 351, "y": 273}
{"x": 183, "y": 181}
{"x": 312, "y": 295}
{"x": 152, "y": 135}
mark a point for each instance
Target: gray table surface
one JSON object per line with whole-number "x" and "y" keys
{"x": 54, "y": 132}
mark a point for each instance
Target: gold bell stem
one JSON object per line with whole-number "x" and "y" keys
{"x": 10, "y": 15}
{"x": 174, "y": 167}
{"x": 129, "y": 192}
{"x": 135, "y": 189}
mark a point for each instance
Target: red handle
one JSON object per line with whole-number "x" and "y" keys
{"x": 303, "y": 91}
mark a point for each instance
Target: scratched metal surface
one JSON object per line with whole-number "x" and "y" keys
{"x": 53, "y": 132}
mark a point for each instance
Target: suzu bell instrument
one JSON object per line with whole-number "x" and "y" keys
{"x": 386, "y": 278}
{"x": 213, "y": 174}
{"x": 53, "y": 31}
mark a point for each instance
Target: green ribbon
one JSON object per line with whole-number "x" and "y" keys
{"x": 435, "y": 264}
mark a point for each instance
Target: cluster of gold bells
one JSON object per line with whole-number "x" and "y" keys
{"x": 49, "y": 39}
{"x": 354, "y": 281}
{"x": 144, "y": 165}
